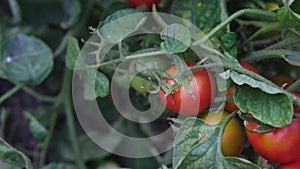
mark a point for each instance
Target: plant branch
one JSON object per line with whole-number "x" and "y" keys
{"x": 11, "y": 92}
{"x": 39, "y": 96}
{"x": 237, "y": 14}
{"x": 70, "y": 117}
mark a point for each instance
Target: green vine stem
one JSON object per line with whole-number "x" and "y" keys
{"x": 39, "y": 96}
{"x": 11, "y": 92}
{"x": 269, "y": 54}
{"x": 70, "y": 117}
{"x": 256, "y": 12}
{"x": 262, "y": 30}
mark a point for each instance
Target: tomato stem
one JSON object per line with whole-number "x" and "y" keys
{"x": 39, "y": 96}
{"x": 237, "y": 14}
{"x": 269, "y": 54}
{"x": 70, "y": 117}
{"x": 11, "y": 92}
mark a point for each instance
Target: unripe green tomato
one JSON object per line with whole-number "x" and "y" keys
{"x": 140, "y": 84}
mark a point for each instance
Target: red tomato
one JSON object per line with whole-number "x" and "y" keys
{"x": 249, "y": 67}
{"x": 281, "y": 145}
{"x": 181, "y": 101}
{"x": 291, "y": 165}
{"x": 137, "y": 3}
{"x": 230, "y": 106}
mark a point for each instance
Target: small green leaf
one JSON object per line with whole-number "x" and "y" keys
{"x": 229, "y": 43}
{"x": 272, "y": 109}
{"x": 242, "y": 79}
{"x": 293, "y": 59}
{"x": 36, "y": 128}
{"x": 72, "y": 9}
{"x": 177, "y": 38}
{"x": 72, "y": 52}
{"x": 120, "y": 24}
{"x": 191, "y": 153}
{"x": 205, "y": 15}
{"x": 97, "y": 88}
{"x": 10, "y": 155}
{"x": 27, "y": 59}
{"x": 289, "y": 15}
{"x": 59, "y": 166}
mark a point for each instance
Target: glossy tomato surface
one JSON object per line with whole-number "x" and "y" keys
{"x": 230, "y": 106}
{"x": 180, "y": 101}
{"x": 281, "y": 145}
{"x": 233, "y": 137}
{"x": 137, "y": 3}
{"x": 291, "y": 165}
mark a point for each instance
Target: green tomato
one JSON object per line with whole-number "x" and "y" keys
{"x": 146, "y": 66}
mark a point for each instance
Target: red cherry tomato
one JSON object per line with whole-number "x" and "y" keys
{"x": 281, "y": 145}
{"x": 181, "y": 101}
{"x": 230, "y": 106}
{"x": 291, "y": 165}
{"x": 137, "y": 3}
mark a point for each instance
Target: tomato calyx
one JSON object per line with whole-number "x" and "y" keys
{"x": 181, "y": 78}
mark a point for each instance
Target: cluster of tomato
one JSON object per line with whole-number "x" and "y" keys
{"x": 281, "y": 145}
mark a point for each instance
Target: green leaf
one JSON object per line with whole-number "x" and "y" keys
{"x": 177, "y": 38}
{"x": 90, "y": 150}
{"x": 15, "y": 10}
{"x": 97, "y": 88}
{"x": 275, "y": 110}
{"x": 120, "y": 24}
{"x": 59, "y": 166}
{"x": 36, "y": 128}
{"x": 72, "y": 52}
{"x": 27, "y": 59}
{"x": 229, "y": 43}
{"x": 10, "y": 155}
{"x": 191, "y": 153}
{"x": 293, "y": 59}
{"x": 289, "y": 15}
{"x": 72, "y": 9}
{"x": 242, "y": 79}
{"x": 205, "y": 15}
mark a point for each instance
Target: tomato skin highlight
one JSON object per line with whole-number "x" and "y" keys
{"x": 137, "y": 3}
{"x": 233, "y": 138}
{"x": 230, "y": 106}
{"x": 180, "y": 101}
{"x": 281, "y": 145}
{"x": 291, "y": 165}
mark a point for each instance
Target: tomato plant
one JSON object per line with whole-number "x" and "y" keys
{"x": 291, "y": 165}
{"x": 230, "y": 106}
{"x": 280, "y": 145}
{"x": 181, "y": 101}
{"x": 60, "y": 60}
{"x": 233, "y": 137}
